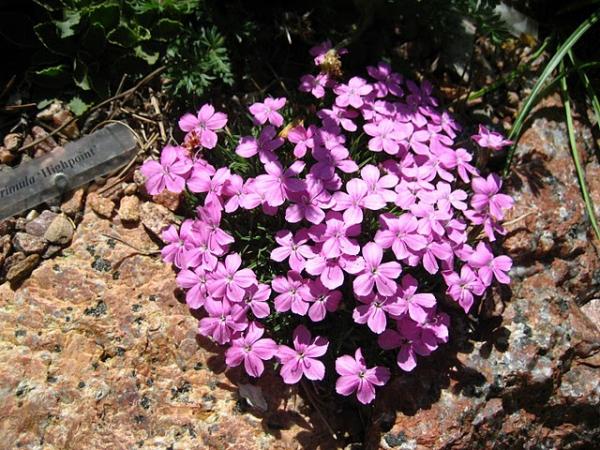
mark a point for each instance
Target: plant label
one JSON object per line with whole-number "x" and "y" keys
{"x": 64, "y": 169}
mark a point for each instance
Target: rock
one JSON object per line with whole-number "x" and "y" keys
{"x": 51, "y": 251}
{"x": 73, "y": 205}
{"x": 21, "y": 223}
{"x": 102, "y": 206}
{"x": 39, "y": 225}
{"x": 592, "y": 311}
{"x": 45, "y": 146}
{"x": 5, "y": 249}
{"x": 156, "y": 217}
{"x": 530, "y": 377}
{"x": 6, "y": 226}
{"x": 6, "y": 156}
{"x": 12, "y": 141}
{"x": 19, "y": 270}
{"x": 32, "y": 215}
{"x": 129, "y": 188}
{"x": 28, "y": 243}
{"x": 129, "y": 209}
{"x": 168, "y": 199}
{"x": 58, "y": 114}
{"x": 115, "y": 361}
{"x": 60, "y": 230}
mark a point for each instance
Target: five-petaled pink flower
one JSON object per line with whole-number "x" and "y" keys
{"x": 267, "y": 111}
{"x": 227, "y": 281}
{"x": 204, "y": 125}
{"x": 355, "y": 376}
{"x": 376, "y": 273}
{"x": 170, "y": 173}
{"x": 490, "y": 139}
{"x": 302, "y": 359}
{"x": 252, "y": 350}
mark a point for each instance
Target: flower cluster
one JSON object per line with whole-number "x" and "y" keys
{"x": 379, "y": 205}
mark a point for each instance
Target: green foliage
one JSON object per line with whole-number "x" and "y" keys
{"x": 482, "y": 13}
{"x": 196, "y": 59}
{"x": 86, "y": 46}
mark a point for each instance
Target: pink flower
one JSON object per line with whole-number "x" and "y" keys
{"x": 179, "y": 245}
{"x": 490, "y": 139}
{"x": 303, "y": 138}
{"x": 201, "y": 181}
{"x": 351, "y": 94}
{"x": 218, "y": 239}
{"x": 376, "y": 273}
{"x": 309, "y": 204}
{"x": 252, "y": 350}
{"x": 227, "y": 281}
{"x": 324, "y": 300}
{"x": 267, "y": 111}
{"x": 315, "y": 85}
{"x": 331, "y": 159}
{"x": 294, "y": 293}
{"x": 355, "y": 200}
{"x": 417, "y": 305}
{"x": 195, "y": 282}
{"x": 331, "y": 270}
{"x": 387, "y": 81}
{"x": 462, "y": 287}
{"x": 256, "y": 298}
{"x": 488, "y": 198}
{"x": 334, "y": 236}
{"x": 264, "y": 145}
{"x": 387, "y": 135}
{"x": 400, "y": 234}
{"x": 170, "y": 173}
{"x": 277, "y": 182}
{"x": 410, "y": 341}
{"x": 223, "y": 321}
{"x": 373, "y": 311}
{"x": 489, "y": 266}
{"x": 293, "y": 247}
{"x": 204, "y": 125}
{"x": 340, "y": 116}
{"x": 301, "y": 360}
{"x": 377, "y": 184}
{"x": 355, "y": 376}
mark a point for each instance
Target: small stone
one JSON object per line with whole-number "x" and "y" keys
{"x": 6, "y": 156}
{"x": 129, "y": 188}
{"x": 58, "y": 114}
{"x": 21, "y": 223}
{"x": 45, "y": 146}
{"x": 156, "y": 217}
{"x": 74, "y": 203}
{"x": 12, "y": 141}
{"x": 22, "y": 268}
{"x": 39, "y": 225}
{"x": 100, "y": 205}
{"x": 28, "y": 243}
{"x": 51, "y": 251}
{"x": 592, "y": 310}
{"x": 168, "y": 199}
{"x": 60, "y": 230}
{"x": 6, "y": 226}
{"x": 129, "y": 210}
{"x": 32, "y": 215}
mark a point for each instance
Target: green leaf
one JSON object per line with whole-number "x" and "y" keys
{"x": 167, "y": 28}
{"x": 589, "y": 205}
{"x": 44, "y": 103}
{"x": 80, "y": 75}
{"x": 546, "y": 73}
{"x": 123, "y": 36}
{"x": 67, "y": 26}
{"x": 52, "y": 72}
{"x": 47, "y": 33}
{"x": 94, "y": 40}
{"x": 149, "y": 58}
{"x": 105, "y": 14}
{"x": 53, "y": 76}
{"x": 78, "y": 106}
